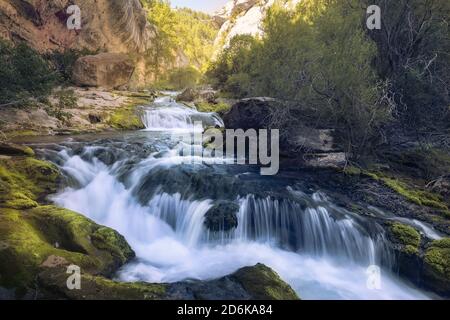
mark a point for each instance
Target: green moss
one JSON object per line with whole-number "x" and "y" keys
{"x": 407, "y": 236}
{"x": 419, "y": 197}
{"x": 111, "y": 241}
{"x": 99, "y": 288}
{"x": 25, "y": 180}
{"x": 29, "y": 237}
{"x": 21, "y": 133}
{"x": 127, "y": 118}
{"x": 352, "y": 171}
{"x": 262, "y": 283}
{"x": 437, "y": 257}
{"x": 213, "y": 107}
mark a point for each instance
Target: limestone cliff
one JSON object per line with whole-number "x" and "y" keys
{"x": 107, "y": 25}
{"x": 240, "y": 17}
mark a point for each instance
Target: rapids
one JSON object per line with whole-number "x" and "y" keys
{"x": 137, "y": 184}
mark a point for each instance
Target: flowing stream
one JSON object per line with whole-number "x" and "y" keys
{"x": 139, "y": 184}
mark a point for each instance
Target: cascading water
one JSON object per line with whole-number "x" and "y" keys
{"x": 138, "y": 186}
{"x": 166, "y": 114}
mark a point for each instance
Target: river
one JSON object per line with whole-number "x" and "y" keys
{"x": 139, "y": 184}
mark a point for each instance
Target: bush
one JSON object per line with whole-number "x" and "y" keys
{"x": 24, "y": 74}
{"x": 317, "y": 58}
{"x": 182, "y": 78}
{"x": 65, "y": 99}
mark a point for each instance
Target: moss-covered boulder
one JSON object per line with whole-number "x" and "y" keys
{"x": 405, "y": 237}
{"x": 127, "y": 118}
{"x": 25, "y": 180}
{"x": 32, "y": 240}
{"x": 34, "y": 236}
{"x": 250, "y": 283}
{"x": 262, "y": 283}
{"x": 53, "y": 284}
{"x": 437, "y": 266}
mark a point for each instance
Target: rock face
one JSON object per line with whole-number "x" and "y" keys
{"x": 106, "y": 26}
{"x": 239, "y": 17}
{"x": 113, "y": 26}
{"x": 106, "y": 70}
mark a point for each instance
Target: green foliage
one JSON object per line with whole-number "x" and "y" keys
{"x": 65, "y": 99}
{"x": 318, "y": 59}
{"x": 413, "y": 54}
{"x": 24, "y": 74}
{"x": 181, "y": 34}
{"x": 219, "y": 107}
{"x": 65, "y": 60}
{"x": 438, "y": 257}
{"x": 181, "y": 78}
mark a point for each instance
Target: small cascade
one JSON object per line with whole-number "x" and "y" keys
{"x": 166, "y": 114}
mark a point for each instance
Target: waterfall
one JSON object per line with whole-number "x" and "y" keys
{"x": 166, "y": 114}
{"x": 322, "y": 250}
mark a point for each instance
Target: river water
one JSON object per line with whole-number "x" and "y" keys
{"x": 139, "y": 184}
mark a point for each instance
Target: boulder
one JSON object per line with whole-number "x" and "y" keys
{"x": 222, "y": 216}
{"x": 188, "y": 95}
{"x": 107, "y": 70}
{"x": 249, "y": 283}
{"x": 295, "y": 140}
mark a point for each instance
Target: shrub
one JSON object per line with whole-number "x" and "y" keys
{"x": 24, "y": 74}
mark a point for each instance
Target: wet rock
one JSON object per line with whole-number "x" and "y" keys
{"x": 250, "y": 283}
{"x": 106, "y": 70}
{"x": 437, "y": 267}
{"x": 222, "y": 216}
{"x": 295, "y": 140}
{"x": 11, "y": 149}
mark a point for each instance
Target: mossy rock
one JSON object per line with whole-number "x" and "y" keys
{"x": 437, "y": 266}
{"x": 127, "y": 117}
{"x": 10, "y": 149}
{"x": 405, "y": 236}
{"x": 28, "y": 238}
{"x": 262, "y": 283}
{"x": 255, "y": 283}
{"x": 25, "y": 180}
{"x": 53, "y": 283}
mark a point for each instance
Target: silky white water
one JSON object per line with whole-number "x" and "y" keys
{"x": 322, "y": 251}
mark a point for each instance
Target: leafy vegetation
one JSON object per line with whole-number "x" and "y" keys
{"x": 24, "y": 74}
{"x": 184, "y": 43}
{"x": 317, "y": 58}
{"x": 329, "y": 69}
